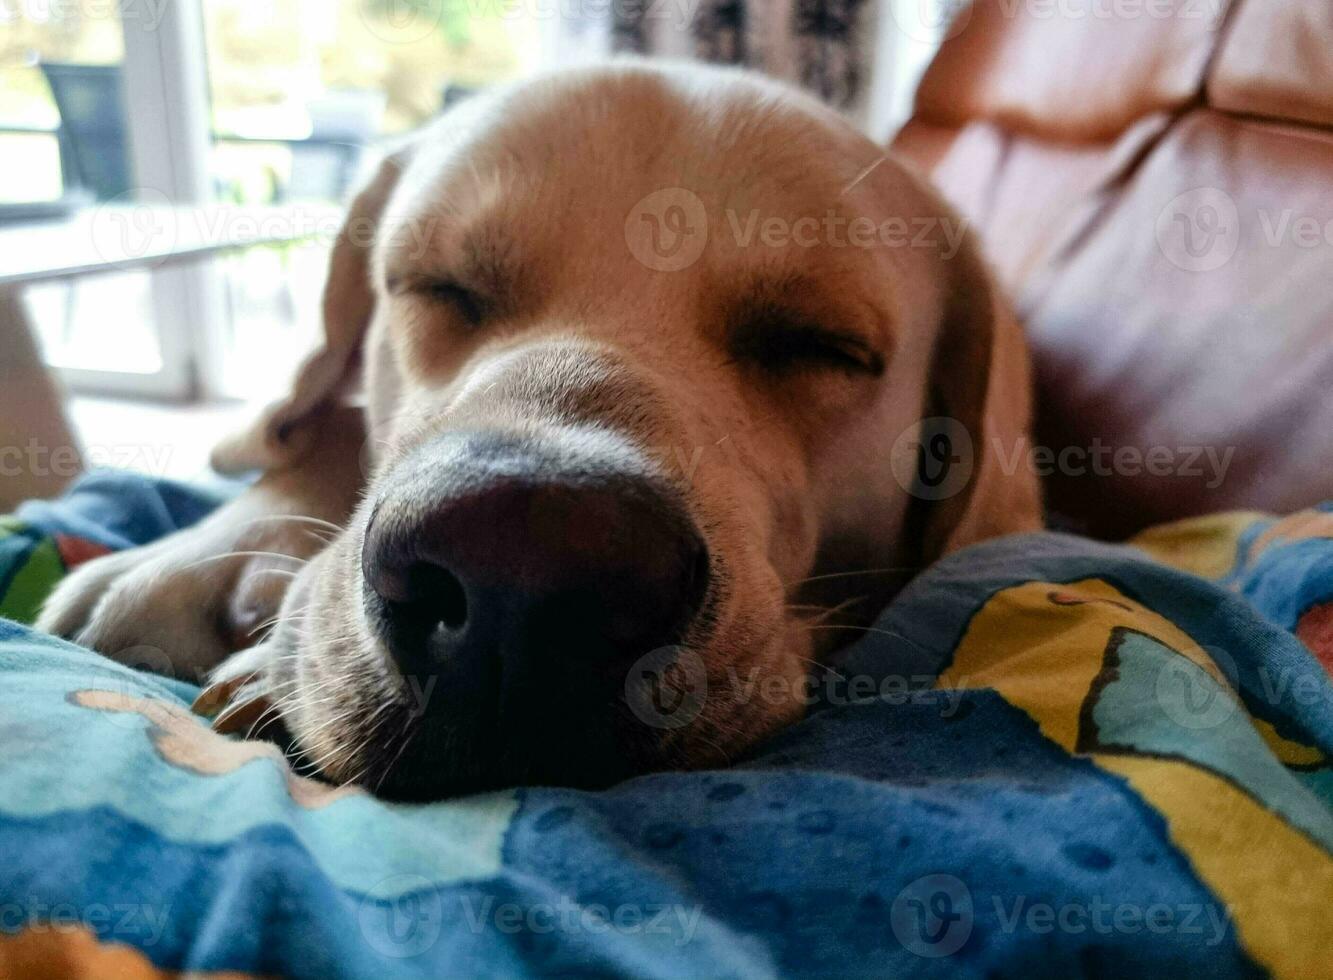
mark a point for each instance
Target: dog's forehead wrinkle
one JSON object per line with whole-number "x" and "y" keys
{"x": 558, "y": 379}
{"x": 709, "y": 135}
{"x": 473, "y": 248}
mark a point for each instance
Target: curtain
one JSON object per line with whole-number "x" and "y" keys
{"x": 819, "y": 44}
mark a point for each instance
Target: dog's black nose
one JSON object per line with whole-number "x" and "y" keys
{"x": 520, "y": 589}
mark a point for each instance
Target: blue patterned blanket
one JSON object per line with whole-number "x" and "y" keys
{"x": 1049, "y": 758}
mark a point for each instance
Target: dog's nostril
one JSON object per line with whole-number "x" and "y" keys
{"x": 425, "y": 599}
{"x": 438, "y": 593}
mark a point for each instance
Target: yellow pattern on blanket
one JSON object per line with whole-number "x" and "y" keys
{"x": 1111, "y": 681}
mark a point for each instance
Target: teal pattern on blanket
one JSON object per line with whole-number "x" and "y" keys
{"x": 1052, "y": 758}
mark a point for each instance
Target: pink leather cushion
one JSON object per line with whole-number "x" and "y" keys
{"x": 1040, "y": 197}
{"x": 1196, "y": 313}
{"x": 961, "y": 162}
{"x": 1277, "y": 60}
{"x": 1070, "y": 69}
{"x": 1171, "y": 259}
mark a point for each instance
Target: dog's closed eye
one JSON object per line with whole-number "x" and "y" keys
{"x": 468, "y": 305}
{"x": 782, "y": 346}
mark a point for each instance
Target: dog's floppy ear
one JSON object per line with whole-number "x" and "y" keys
{"x": 980, "y": 408}
{"x": 279, "y": 437}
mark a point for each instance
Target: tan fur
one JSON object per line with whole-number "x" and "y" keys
{"x": 524, "y": 195}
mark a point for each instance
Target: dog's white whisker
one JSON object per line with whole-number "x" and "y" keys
{"x": 270, "y": 571}
{"x": 811, "y": 662}
{"x": 244, "y": 554}
{"x": 864, "y": 174}
{"x": 409, "y": 732}
{"x": 825, "y": 612}
{"x": 726, "y": 756}
{"x": 317, "y": 764}
{"x": 366, "y": 741}
{"x": 267, "y": 624}
{"x": 295, "y": 518}
{"x": 335, "y": 750}
{"x": 269, "y": 714}
{"x": 376, "y": 719}
{"x": 868, "y": 629}
{"x": 864, "y": 571}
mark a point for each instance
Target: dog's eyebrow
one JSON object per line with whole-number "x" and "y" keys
{"x": 478, "y": 259}
{"x": 797, "y": 297}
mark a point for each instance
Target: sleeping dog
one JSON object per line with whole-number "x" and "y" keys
{"x": 620, "y": 396}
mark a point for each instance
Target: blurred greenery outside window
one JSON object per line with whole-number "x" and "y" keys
{"x": 299, "y": 92}
{"x": 70, "y": 317}
{"x": 276, "y": 70}
{"x": 338, "y": 73}
{"x": 43, "y": 30}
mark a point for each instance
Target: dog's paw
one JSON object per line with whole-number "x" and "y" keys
{"x": 69, "y": 607}
{"x": 181, "y": 605}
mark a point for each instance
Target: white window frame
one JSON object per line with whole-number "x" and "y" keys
{"x": 166, "y": 102}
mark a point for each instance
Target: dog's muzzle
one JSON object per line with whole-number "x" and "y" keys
{"x": 515, "y": 588}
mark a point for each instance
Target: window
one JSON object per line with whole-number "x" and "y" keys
{"x": 301, "y": 92}
{"x": 277, "y": 104}
{"x": 68, "y": 56}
